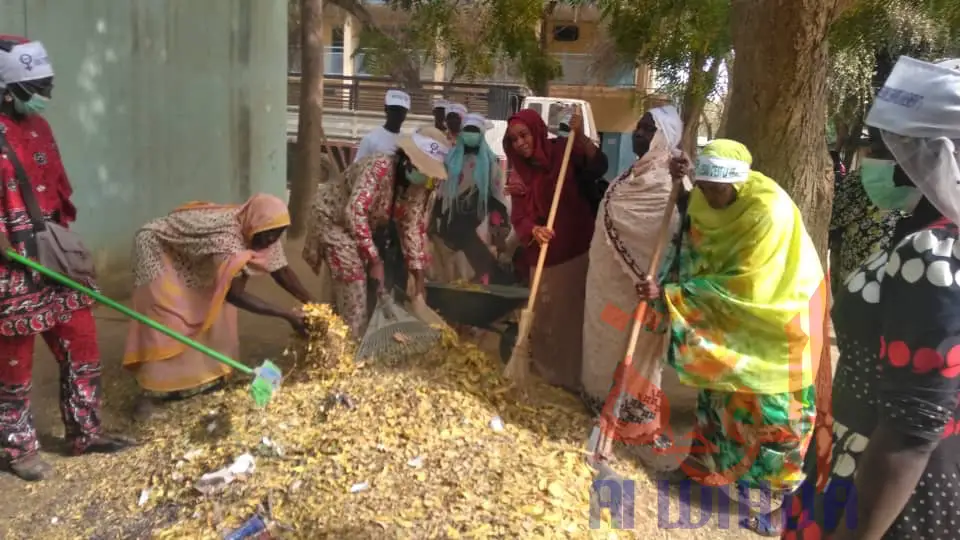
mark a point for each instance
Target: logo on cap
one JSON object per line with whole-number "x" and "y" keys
{"x": 27, "y": 61}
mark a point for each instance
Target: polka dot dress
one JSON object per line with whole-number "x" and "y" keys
{"x": 898, "y": 330}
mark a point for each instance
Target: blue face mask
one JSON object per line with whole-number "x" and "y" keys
{"x": 35, "y": 105}
{"x": 876, "y": 175}
{"x": 471, "y": 139}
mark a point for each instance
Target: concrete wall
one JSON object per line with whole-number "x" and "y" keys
{"x": 160, "y": 102}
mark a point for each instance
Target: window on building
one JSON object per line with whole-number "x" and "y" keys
{"x": 336, "y": 37}
{"x": 566, "y": 32}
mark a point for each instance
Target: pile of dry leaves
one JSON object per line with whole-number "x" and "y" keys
{"x": 433, "y": 446}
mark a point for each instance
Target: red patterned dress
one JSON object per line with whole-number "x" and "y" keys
{"x": 30, "y": 305}
{"x": 344, "y": 218}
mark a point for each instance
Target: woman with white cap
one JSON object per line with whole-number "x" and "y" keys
{"x": 440, "y": 113}
{"x": 624, "y": 239}
{"x": 744, "y": 299}
{"x": 384, "y": 138}
{"x": 889, "y": 465}
{"x": 377, "y": 191}
{"x": 473, "y": 195}
{"x": 34, "y": 188}
{"x": 456, "y": 112}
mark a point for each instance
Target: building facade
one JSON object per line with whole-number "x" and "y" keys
{"x": 157, "y": 103}
{"x": 576, "y": 37}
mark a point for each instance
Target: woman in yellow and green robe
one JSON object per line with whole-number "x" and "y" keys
{"x": 745, "y": 295}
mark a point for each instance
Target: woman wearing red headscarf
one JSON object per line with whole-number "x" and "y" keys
{"x": 556, "y": 337}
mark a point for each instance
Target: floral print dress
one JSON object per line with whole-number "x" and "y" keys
{"x": 345, "y": 217}
{"x": 857, "y": 227}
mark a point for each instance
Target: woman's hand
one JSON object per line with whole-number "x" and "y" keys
{"x": 4, "y": 245}
{"x": 680, "y": 167}
{"x": 376, "y": 272}
{"x": 542, "y": 235}
{"x": 576, "y": 122}
{"x": 648, "y": 289}
{"x": 297, "y": 321}
{"x": 515, "y": 186}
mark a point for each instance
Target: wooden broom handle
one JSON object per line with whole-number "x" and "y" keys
{"x": 663, "y": 238}
{"x": 558, "y": 190}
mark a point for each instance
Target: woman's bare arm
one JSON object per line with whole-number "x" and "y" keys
{"x": 288, "y": 280}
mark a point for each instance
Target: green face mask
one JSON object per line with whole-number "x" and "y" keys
{"x": 417, "y": 178}
{"x": 471, "y": 139}
{"x": 876, "y": 175}
{"x": 35, "y": 105}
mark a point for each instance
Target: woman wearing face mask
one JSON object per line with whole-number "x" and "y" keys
{"x": 376, "y": 191}
{"x": 190, "y": 273}
{"x": 556, "y": 337}
{"x": 745, "y": 297}
{"x": 473, "y": 194}
{"x": 858, "y": 227}
{"x": 627, "y": 231}
{"x": 29, "y": 304}
{"x": 889, "y": 465}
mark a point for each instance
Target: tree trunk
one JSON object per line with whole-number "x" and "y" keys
{"x": 721, "y": 131}
{"x": 541, "y": 87}
{"x": 778, "y": 106}
{"x": 699, "y": 85}
{"x": 308, "y": 166}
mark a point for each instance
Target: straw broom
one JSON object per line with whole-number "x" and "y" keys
{"x": 518, "y": 368}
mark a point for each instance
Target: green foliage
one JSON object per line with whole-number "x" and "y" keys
{"x": 681, "y": 40}
{"x": 928, "y": 29}
{"x": 471, "y": 36}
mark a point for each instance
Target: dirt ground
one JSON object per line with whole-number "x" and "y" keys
{"x": 261, "y": 338}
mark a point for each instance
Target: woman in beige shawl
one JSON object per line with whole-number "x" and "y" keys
{"x": 623, "y": 242}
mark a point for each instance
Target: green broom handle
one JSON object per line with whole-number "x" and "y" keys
{"x": 64, "y": 280}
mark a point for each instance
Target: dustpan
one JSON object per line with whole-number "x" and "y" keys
{"x": 394, "y": 332}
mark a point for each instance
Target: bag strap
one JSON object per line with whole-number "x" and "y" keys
{"x": 23, "y": 183}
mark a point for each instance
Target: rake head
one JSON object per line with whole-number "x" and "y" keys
{"x": 394, "y": 332}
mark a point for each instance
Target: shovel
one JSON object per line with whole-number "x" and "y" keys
{"x": 266, "y": 378}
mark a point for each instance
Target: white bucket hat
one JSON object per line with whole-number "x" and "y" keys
{"x": 427, "y": 148}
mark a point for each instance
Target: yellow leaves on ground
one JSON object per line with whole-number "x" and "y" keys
{"x": 386, "y": 449}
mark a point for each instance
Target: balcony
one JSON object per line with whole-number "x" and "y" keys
{"x": 333, "y": 58}
{"x": 578, "y": 71}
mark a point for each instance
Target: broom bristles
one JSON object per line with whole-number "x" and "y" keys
{"x": 518, "y": 368}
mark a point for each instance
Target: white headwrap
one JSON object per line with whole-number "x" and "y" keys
{"x": 456, "y": 108}
{"x": 918, "y": 114}
{"x": 721, "y": 170}
{"x": 475, "y": 120}
{"x": 669, "y": 128}
{"x": 440, "y": 103}
{"x": 24, "y": 63}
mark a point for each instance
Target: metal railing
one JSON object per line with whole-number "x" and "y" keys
{"x": 362, "y": 93}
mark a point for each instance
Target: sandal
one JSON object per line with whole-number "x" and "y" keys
{"x": 30, "y": 468}
{"x": 763, "y": 524}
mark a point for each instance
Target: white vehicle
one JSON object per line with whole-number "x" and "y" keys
{"x": 553, "y": 111}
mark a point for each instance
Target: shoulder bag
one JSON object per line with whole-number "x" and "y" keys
{"x": 57, "y": 247}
